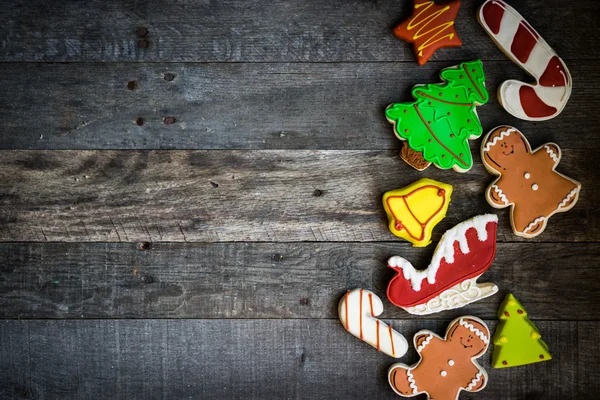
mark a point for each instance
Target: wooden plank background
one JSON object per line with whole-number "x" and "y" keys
{"x": 205, "y": 258}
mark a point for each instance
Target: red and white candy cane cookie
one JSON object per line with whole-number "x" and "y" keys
{"x": 357, "y": 311}
{"x": 522, "y": 44}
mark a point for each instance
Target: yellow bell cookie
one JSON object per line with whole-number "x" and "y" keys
{"x": 415, "y": 210}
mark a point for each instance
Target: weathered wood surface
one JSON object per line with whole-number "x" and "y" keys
{"x": 259, "y": 31}
{"x": 250, "y": 106}
{"x": 255, "y": 359}
{"x": 297, "y": 77}
{"x": 231, "y": 195}
{"x": 269, "y": 280}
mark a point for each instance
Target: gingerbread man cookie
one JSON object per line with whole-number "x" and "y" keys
{"x": 527, "y": 180}
{"x": 447, "y": 365}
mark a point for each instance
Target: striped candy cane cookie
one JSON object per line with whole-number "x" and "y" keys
{"x": 522, "y": 44}
{"x": 357, "y": 311}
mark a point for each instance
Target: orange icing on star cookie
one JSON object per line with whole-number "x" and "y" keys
{"x": 430, "y": 27}
{"x": 415, "y": 210}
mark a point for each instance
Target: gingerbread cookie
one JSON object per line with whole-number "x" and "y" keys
{"x": 415, "y": 210}
{"x": 439, "y": 124}
{"x": 429, "y": 28}
{"x": 523, "y": 45}
{"x": 448, "y": 365}
{"x": 527, "y": 182}
{"x": 357, "y": 311}
{"x": 517, "y": 341}
{"x": 463, "y": 254}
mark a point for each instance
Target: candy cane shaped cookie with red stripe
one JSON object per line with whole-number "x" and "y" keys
{"x": 523, "y": 45}
{"x": 357, "y": 311}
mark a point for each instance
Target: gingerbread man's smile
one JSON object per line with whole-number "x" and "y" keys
{"x": 466, "y": 346}
{"x": 512, "y": 147}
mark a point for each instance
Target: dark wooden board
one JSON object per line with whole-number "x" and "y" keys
{"x": 216, "y": 196}
{"x": 269, "y": 280}
{"x": 281, "y": 204}
{"x": 250, "y": 106}
{"x": 256, "y": 359}
{"x": 260, "y": 31}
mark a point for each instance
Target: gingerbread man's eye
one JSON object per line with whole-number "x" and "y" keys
{"x": 520, "y": 311}
{"x": 506, "y": 313}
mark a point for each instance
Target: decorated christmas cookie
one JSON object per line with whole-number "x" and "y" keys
{"x": 448, "y": 365}
{"x": 517, "y": 341}
{"x": 415, "y": 210}
{"x": 450, "y": 281}
{"x": 430, "y": 27}
{"x": 522, "y": 44}
{"x": 357, "y": 311}
{"x": 439, "y": 124}
{"x": 527, "y": 180}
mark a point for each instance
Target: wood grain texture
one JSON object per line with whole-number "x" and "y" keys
{"x": 250, "y": 106}
{"x": 269, "y": 280}
{"x": 261, "y": 231}
{"x": 258, "y": 31}
{"x": 216, "y": 196}
{"x": 255, "y": 359}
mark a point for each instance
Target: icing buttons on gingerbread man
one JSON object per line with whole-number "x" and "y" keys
{"x": 448, "y": 365}
{"x": 527, "y": 180}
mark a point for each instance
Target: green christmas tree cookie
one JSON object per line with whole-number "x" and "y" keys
{"x": 517, "y": 341}
{"x": 438, "y": 125}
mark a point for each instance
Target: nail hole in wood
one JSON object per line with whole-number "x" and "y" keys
{"x": 24, "y": 394}
{"x": 277, "y": 257}
{"x": 144, "y": 245}
{"x": 317, "y": 193}
{"x": 147, "y": 279}
{"x": 214, "y": 184}
{"x": 140, "y": 31}
{"x": 169, "y": 120}
{"x": 169, "y": 76}
{"x": 139, "y": 121}
{"x": 132, "y": 85}
{"x": 304, "y": 301}
{"x": 143, "y": 43}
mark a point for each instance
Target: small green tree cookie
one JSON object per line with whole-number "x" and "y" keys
{"x": 441, "y": 121}
{"x": 517, "y": 340}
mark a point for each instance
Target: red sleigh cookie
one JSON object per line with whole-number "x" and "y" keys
{"x": 463, "y": 254}
{"x": 448, "y": 365}
{"x": 527, "y": 180}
